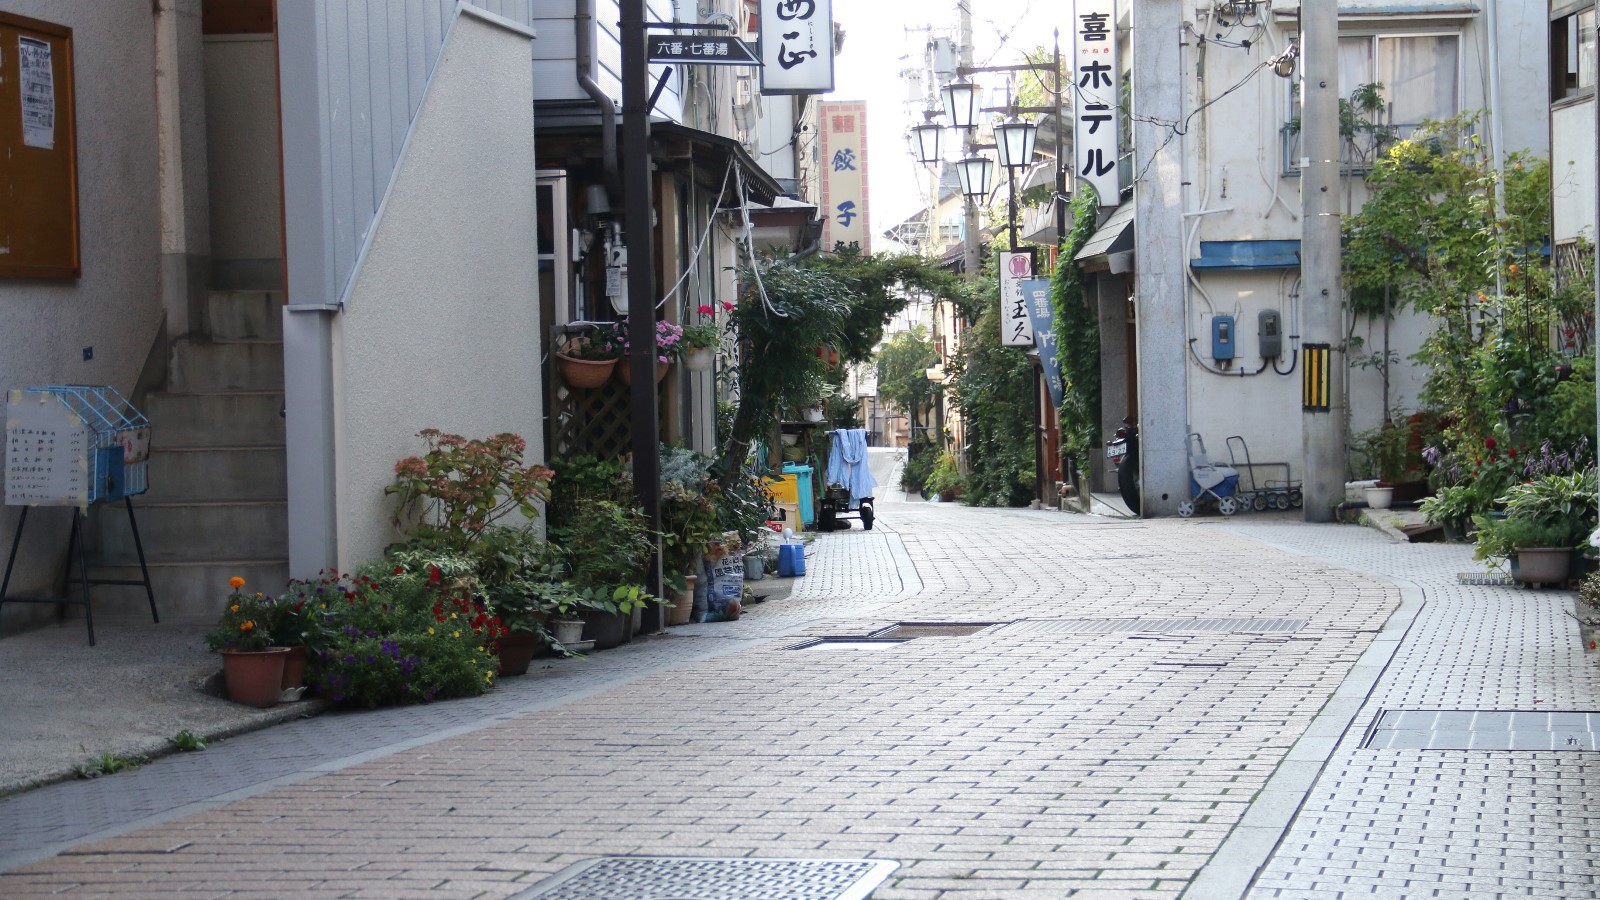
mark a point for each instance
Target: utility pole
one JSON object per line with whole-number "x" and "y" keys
{"x": 970, "y": 235}
{"x": 645, "y": 417}
{"x": 1322, "y": 428}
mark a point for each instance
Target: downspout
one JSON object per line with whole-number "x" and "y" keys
{"x": 583, "y": 20}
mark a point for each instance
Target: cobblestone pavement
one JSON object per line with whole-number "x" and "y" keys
{"x": 1043, "y": 756}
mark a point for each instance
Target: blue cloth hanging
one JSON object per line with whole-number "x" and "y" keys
{"x": 847, "y": 464}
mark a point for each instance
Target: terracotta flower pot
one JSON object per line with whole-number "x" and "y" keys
{"x": 584, "y": 373}
{"x": 683, "y": 603}
{"x": 625, "y": 371}
{"x": 294, "y": 668}
{"x": 1543, "y": 565}
{"x": 254, "y": 677}
{"x": 516, "y": 653}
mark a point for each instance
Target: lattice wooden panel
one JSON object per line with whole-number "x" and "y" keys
{"x": 593, "y": 421}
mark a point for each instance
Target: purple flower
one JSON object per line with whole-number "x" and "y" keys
{"x": 408, "y": 664}
{"x": 349, "y": 660}
{"x": 391, "y": 648}
{"x": 350, "y": 631}
{"x": 371, "y": 660}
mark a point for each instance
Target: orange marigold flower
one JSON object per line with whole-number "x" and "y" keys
{"x": 248, "y": 626}
{"x": 236, "y": 582}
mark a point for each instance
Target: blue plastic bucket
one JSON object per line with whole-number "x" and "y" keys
{"x": 791, "y": 560}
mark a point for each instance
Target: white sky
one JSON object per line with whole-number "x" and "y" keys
{"x": 882, "y": 37}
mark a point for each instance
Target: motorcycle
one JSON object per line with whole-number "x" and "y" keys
{"x": 1123, "y": 451}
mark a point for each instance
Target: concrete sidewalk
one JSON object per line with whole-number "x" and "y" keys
{"x": 1159, "y": 708}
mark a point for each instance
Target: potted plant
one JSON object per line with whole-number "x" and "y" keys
{"x": 688, "y": 524}
{"x": 294, "y": 625}
{"x": 587, "y": 360}
{"x": 945, "y": 480}
{"x": 1546, "y": 519}
{"x": 251, "y": 667}
{"x": 452, "y": 494}
{"x": 700, "y": 336}
{"x": 1451, "y": 507}
{"x": 668, "y": 346}
{"x": 1386, "y": 450}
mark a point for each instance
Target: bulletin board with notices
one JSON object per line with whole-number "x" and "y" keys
{"x": 46, "y": 452}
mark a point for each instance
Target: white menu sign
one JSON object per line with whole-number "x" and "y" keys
{"x": 1095, "y": 96}
{"x": 1016, "y": 329}
{"x": 47, "y": 452}
{"x": 796, "y": 46}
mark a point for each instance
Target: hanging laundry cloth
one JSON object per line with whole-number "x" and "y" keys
{"x": 847, "y": 464}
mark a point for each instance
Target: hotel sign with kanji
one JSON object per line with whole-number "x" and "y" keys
{"x": 698, "y": 50}
{"x": 796, "y": 46}
{"x": 1095, "y": 96}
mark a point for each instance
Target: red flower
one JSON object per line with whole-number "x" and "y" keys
{"x": 433, "y": 575}
{"x": 399, "y": 570}
{"x": 705, "y": 310}
{"x": 1512, "y": 453}
{"x": 1489, "y": 443}
{"x": 727, "y": 306}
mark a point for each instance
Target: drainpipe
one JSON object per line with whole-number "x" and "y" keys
{"x": 583, "y": 20}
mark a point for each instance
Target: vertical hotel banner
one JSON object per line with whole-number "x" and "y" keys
{"x": 796, "y": 46}
{"x": 1016, "y": 328}
{"x": 844, "y": 175}
{"x": 1095, "y": 96}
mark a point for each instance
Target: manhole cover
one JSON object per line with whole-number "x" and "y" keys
{"x": 1484, "y": 729}
{"x": 905, "y": 630}
{"x": 687, "y": 878}
{"x": 1151, "y": 625}
{"x": 847, "y": 643}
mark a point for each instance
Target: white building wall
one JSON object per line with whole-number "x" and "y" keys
{"x": 1237, "y": 191}
{"x": 443, "y": 327}
{"x": 115, "y": 307}
{"x": 1572, "y": 170}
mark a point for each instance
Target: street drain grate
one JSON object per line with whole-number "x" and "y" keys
{"x": 1152, "y": 625}
{"x": 847, "y": 643}
{"x": 1484, "y": 578}
{"x": 901, "y": 630}
{"x": 1484, "y": 729}
{"x": 688, "y": 878}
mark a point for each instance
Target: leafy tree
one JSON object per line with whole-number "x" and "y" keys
{"x": 902, "y": 372}
{"x": 994, "y": 389}
{"x": 1077, "y": 328}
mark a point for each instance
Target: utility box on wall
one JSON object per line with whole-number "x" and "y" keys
{"x": 1269, "y": 332}
{"x": 1222, "y": 338}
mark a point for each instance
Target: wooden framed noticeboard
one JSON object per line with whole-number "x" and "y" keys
{"x": 38, "y": 151}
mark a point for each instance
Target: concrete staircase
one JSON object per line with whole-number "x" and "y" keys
{"x": 216, "y": 507}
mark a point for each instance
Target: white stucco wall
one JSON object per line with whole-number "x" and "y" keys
{"x": 115, "y": 307}
{"x": 442, "y": 327}
{"x": 1572, "y": 171}
{"x": 242, "y": 146}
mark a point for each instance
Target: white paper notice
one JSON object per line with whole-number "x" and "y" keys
{"x": 47, "y": 461}
{"x": 38, "y": 93}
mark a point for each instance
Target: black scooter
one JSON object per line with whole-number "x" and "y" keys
{"x": 1123, "y": 450}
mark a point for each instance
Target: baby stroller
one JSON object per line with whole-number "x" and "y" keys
{"x": 1209, "y": 485}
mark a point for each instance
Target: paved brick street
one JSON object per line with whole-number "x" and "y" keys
{"x": 1053, "y": 755}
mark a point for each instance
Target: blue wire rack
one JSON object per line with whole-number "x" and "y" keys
{"x": 119, "y": 441}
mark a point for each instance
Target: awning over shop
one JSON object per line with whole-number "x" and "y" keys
{"x": 1235, "y": 255}
{"x": 1114, "y": 236}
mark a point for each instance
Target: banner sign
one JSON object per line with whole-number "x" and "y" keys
{"x": 1095, "y": 96}
{"x": 844, "y": 175}
{"x": 1041, "y": 314}
{"x": 1016, "y": 329}
{"x": 796, "y": 46}
{"x": 699, "y": 50}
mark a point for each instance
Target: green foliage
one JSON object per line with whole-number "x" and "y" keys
{"x": 108, "y": 763}
{"x": 400, "y": 636}
{"x": 921, "y": 457}
{"x": 876, "y": 288}
{"x": 1571, "y": 406}
{"x": 902, "y": 365}
{"x": 1077, "y": 329}
{"x": 188, "y": 742}
{"x": 743, "y": 504}
{"x": 994, "y": 389}
{"x": 946, "y": 475}
{"x": 244, "y": 623}
{"x": 460, "y": 487}
{"x": 1387, "y": 451}
{"x": 1548, "y": 511}
{"x": 606, "y": 544}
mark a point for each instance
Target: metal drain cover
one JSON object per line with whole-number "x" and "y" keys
{"x": 908, "y": 630}
{"x": 1151, "y": 625}
{"x": 1484, "y": 729}
{"x": 690, "y": 878}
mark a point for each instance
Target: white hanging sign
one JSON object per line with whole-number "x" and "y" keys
{"x": 1016, "y": 329}
{"x": 1095, "y": 96}
{"x": 796, "y": 46}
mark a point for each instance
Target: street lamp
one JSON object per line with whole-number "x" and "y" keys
{"x": 1014, "y": 143}
{"x": 929, "y": 137}
{"x": 961, "y": 103}
{"x": 975, "y": 174}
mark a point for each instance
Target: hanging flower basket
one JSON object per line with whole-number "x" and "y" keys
{"x": 584, "y": 373}
{"x": 625, "y": 371}
{"x": 699, "y": 359}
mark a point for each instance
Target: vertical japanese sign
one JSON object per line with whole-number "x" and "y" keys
{"x": 1095, "y": 95}
{"x": 844, "y": 175}
{"x": 38, "y": 92}
{"x": 1016, "y": 329}
{"x": 796, "y": 46}
{"x": 1036, "y": 292}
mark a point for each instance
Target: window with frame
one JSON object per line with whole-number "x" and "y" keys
{"x": 1574, "y": 54}
{"x": 1420, "y": 73}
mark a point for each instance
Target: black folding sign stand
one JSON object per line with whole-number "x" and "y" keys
{"x": 75, "y": 549}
